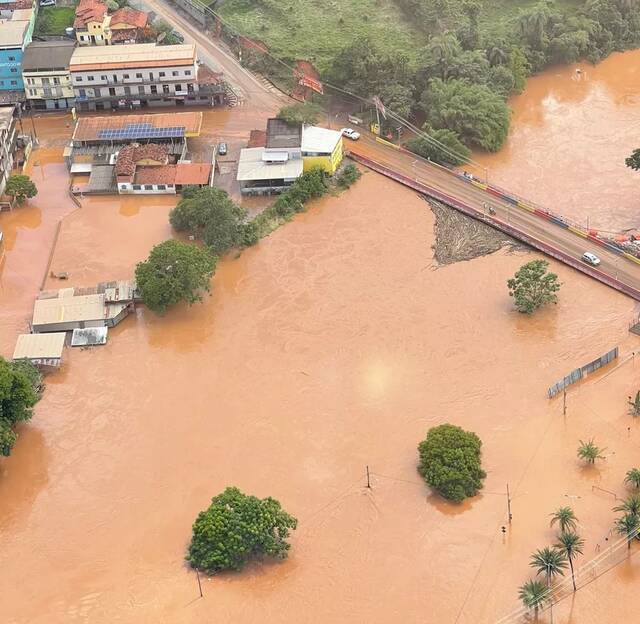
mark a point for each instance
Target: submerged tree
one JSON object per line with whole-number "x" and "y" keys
{"x": 571, "y": 544}
{"x": 565, "y": 518}
{"x": 633, "y": 478}
{"x": 633, "y": 161}
{"x": 21, "y": 188}
{"x": 533, "y": 286}
{"x": 589, "y": 451}
{"x": 236, "y": 528}
{"x": 533, "y": 594}
{"x": 631, "y": 505}
{"x": 627, "y": 526}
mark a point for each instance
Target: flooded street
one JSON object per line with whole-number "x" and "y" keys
{"x": 333, "y": 344}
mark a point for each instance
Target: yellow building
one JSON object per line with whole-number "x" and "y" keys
{"x": 321, "y": 148}
{"x": 92, "y": 23}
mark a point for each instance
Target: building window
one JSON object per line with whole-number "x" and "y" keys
{"x": 138, "y": 75}
{"x": 46, "y": 92}
{"x": 165, "y": 89}
{"x": 12, "y": 58}
{"x": 90, "y": 78}
{"x": 56, "y": 81}
{"x": 82, "y": 93}
{"x": 148, "y": 187}
{"x": 187, "y": 72}
{"x": 161, "y": 187}
{"x": 14, "y": 83}
{"x": 32, "y": 91}
{"x": 154, "y": 89}
{"x": 78, "y": 78}
{"x": 141, "y": 90}
{"x": 178, "y": 87}
{"x": 136, "y": 187}
{"x": 175, "y": 73}
{"x": 14, "y": 70}
{"x": 96, "y": 92}
{"x": 45, "y": 81}
{"x": 103, "y": 78}
{"x": 125, "y": 76}
{"x": 112, "y": 91}
{"x": 162, "y": 74}
{"x": 30, "y": 81}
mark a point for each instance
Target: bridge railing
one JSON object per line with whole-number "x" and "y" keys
{"x": 550, "y": 250}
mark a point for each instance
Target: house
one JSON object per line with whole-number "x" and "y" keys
{"x": 261, "y": 171}
{"x": 64, "y": 310}
{"x": 42, "y": 350}
{"x": 15, "y": 35}
{"x": 140, "y": 75}
{"x": 126, "y": 25}
{"x": 321, "y": 148}
{"x": 46, "y": 76}
{"x": 92, "y": 23}
{"x": 8, "y": 137}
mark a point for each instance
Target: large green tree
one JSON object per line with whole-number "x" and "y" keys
{"x": 565, "y": 518}
{"x": 21, "y": 188}
{"x": 174, "y": 272}
{"x": 20, "y": 383}
{"x": 533, "y": 286}
{"x": 479, "y": 116}
{"x": 450, "y": 462}
{"x": 210, "y": 214}
{"x": 441, "y": 146}
{"x": 633, "y": 161}
{"x": 236, "y": 528}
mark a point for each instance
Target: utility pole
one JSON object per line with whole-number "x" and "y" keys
{"x": 509, "y": 504}
{"x": 368, "y": 480}
{"x": 564, "y": 402}
{"x": 199, "y": 584}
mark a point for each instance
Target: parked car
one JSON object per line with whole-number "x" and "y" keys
{"x": 46, "y": 3}
{"x": 177, "y": 36}
{"x": 590, "y": 258}
{"x": 222, "y": 149}
{"x": 350, "y": 133}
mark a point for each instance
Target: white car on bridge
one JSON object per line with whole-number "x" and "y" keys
{"x": 590, "y": 258}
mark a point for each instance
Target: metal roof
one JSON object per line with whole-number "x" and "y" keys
{"x": 36, "y": 346}
{"x": 70, "y": 309}
{"x": 133, "y": 55}
{"x": 251, "y": 167}
{"x": 47, "y": 55}
{"x": 280, "y": 134}
{"x": 319, "y": 140}
{"x": 89, "y": 336}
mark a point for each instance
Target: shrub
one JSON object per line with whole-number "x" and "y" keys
{"x": 450, "y": 462}
{"x": 305, "y": 113}
{"x": 348, "y": 176}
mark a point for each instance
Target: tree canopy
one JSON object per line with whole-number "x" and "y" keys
{"x": 20, "y": 187}
{"x": 19, "y": 392}
{"x": 210, "y": 214}
{"x": 533, "y": 286}
{"x": 303, "y": 113}
{"x": 633, "y": 161}
{"x": 450, "y": 462}
{"x": 237, "y": 528}
{"x": 443, "y": 147}
{"x": 174, "y": 272}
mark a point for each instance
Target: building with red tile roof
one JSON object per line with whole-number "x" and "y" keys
{"x": 193, "y": 174}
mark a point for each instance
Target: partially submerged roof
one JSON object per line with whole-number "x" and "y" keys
{"x": 252, "y": 167}
{"x": 319, "y": 140}
{"x": 47, "y": 55}
{"x": 88, "y": 337}
{"x": 136, "y": 127}
{"x": 39, "y": 346}
{"x": 280, "y": 134}
{"x": 164, "y": 174}
{"x": 193, "y": 173}
{"x": 133, "y": 56}
{"x": 67, "y": 308}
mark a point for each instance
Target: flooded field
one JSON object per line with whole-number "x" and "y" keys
{"x": 332, "y": 345}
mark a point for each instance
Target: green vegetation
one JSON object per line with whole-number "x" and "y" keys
{"x": 533, "y": 594}
{"x": 20, "y": 187}
{"x": 444, "y": 147}
{"x": 571, "y": 544}
{"x": 306, "y": 113}
{"x": 631, "y": 505}
{"x": 565, "y": 518}
{"x": 54, "y": 20}
{"x": 632, "y": 478}
{"x": 634, "y": 404}
{"x": 633, "y": 161}
{"x": 450, "y": 462}
{"x": 398, "y": 49}
{"x": 237, "y": 528}
{"x": 627, "y": 526}
{"x": 549, "y": 561}
{"x": 174, "y": 272}
{"x": 348, "y": 176}
{"x": 532, "y": 286}
{"x": 20, "y": 385}
{"x": 590, "y": 452}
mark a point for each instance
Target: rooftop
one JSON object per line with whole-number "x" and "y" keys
{"x": 70, "y": 309}
{"x": 135, "y": 127}
{"x": 12, "y": 33}
{"x": 39, "y": 346}
{"x": 282, "y": 135}
{"x": 165, "y": 174}
{"x": 193, "y": 173}
{"x": 131, "y": 155}
{"x": 47, "y": 55}
{"x": 125, "y": 17}
{"x": 319, "y": 140}
{"x": 89, "y": 11}
{"x": 132, "y": 56}
{"x": 252, "y": 167}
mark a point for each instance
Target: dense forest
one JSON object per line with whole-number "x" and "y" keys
{"x": 451, "y": 62}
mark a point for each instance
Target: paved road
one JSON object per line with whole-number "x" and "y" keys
{"x": 261, "y": 96}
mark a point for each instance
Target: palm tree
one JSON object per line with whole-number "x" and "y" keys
{"x": 565, "y": 517}
{"x": 443, "y": 49}
{"x": 633, "y": 477}
{"x": 590, "y": 452}
{"x": 496, "y": 55}
{"x": 634, "y": 404}
{"x": 533, "y": 594}
{"x": 571, "y": 544}
{"x": 549, "y": 561}
{"x": 628, "y": 526}
{"x": 630, "y": 506}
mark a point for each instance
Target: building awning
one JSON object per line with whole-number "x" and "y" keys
{"x": 81, "y": 168}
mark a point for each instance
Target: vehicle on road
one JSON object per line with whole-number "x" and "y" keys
{"x": 350, "y": 133}
{"x": 590, "y": 258}
{"x": 222, "y": 149}
{"x": 46, "y": 3}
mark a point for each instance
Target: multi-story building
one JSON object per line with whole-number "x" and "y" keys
{"x": 8, "y": 136}
{"x": 132, "y": 76}
{"x": 45, "y": 72}
{"x": 15, "y": 35}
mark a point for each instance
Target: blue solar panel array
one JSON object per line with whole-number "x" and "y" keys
{"x": 141, "y": 131}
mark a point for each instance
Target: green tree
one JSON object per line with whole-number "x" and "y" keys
{"x": 590, "y": 452}
{"x": 565, "y": 518}
{"x": 450, "y": 462}
{"x": 236, "y": 528}
{"x": 520, "y": 68}
{"x": 634, "y": 404}
{"x": 479, "y": 116}
{"x": 19, "y": 391}
{"x": 20, "y": 187}
{"x": 549, "y": 561}
{"x": 349, "y": 174}
{"x": 631, "y": 505}
{"x": 533, "y": 594}
{"x": 442, "y": 146}
{"x": 210, "y": 214}
{"x": 303, "y": 113}
{"x": 628, "y": 527}
{"x": 533, "y": 286}
{"x": 571, "y": 544}
{"x": 633, "y": 478}
{"x": 174, "y": 272}
{"x": 441, "y": 52}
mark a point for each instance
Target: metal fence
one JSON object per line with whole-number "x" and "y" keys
{"x": 579, "y": 373}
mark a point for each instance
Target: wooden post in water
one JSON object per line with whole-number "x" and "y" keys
{"x": 564, "y": 402}
{"x": 509, "y": 503}
{"x": 368, "y": 480}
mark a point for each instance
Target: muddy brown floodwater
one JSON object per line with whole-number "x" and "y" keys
{"x": 333, "y": 344}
